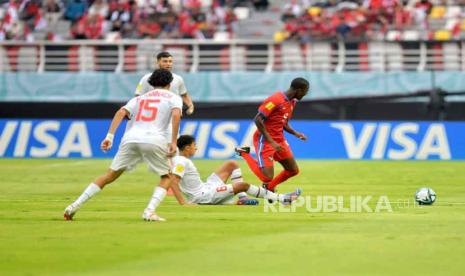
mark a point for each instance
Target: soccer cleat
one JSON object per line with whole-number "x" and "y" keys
{"x": 150, "y": 216}
{"x": 240, "y": 150}
{"x": 290, "y": 197}
{"x": 247, "y": 201}
{"x": 70, "y": 211}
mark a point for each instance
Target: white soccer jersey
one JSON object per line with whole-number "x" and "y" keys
{"x": 150, "y": 116}
{"x": 176, "y": 86}
{"x": 191, "y": 184}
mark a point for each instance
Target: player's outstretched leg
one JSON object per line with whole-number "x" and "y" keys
{"x": 90, "y": 191}
{"x": 158, "y": 195}
{"x": 290, "y": 169}
{"x": 260, "y": 192}
{"x": 244, "y": 152}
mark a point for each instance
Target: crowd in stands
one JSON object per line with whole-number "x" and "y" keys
{"x": 306, "y": 21}
{"x": 117, "y": 19}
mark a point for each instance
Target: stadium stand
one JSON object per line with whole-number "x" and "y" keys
{"x": 36, "y": 20}
{"x": 394, "y": 20}
{"x": 122, "y": 35}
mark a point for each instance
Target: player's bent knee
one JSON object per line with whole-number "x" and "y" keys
{"x": 232, "y": 164}
{"x": 294, "y": 172}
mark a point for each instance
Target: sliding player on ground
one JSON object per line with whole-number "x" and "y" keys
{"x": 215, "y": 190}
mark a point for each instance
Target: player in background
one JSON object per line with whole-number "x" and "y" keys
{"x": 146, "y": 139}
{"x": 215, "y": 190}
{"x": 272, "y": 120}
{"x": 165, "y": 61}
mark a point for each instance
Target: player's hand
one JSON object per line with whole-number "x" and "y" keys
{"x": 190, "y": 110}
{"x": 301, "y": 136}
{"x": 171, "y": 150}
{"x": 277, "y": 147}
{"x": 106, "y": 145}
{"x": 189, "y": 204}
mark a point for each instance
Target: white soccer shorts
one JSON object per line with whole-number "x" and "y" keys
{"x": 215, "y": 191}
{"x": 130, "y": 154}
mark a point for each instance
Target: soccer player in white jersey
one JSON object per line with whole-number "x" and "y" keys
{"x": 165, "y": 61}
{"x": 144, "y": 140}
{"x": 215, "y": 190}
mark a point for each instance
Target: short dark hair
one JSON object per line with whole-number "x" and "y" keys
{"x": 160, "y": 78}
{"x": 299, "y": 83}
{"x": 163, "y": 55}
{"x": 184, "y": 141}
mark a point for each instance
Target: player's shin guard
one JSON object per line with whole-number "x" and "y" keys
{"x": 281, "y": 177}
{"x": 254, "y": 167}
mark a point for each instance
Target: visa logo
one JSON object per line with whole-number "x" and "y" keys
{"x": 396, "y": 142}
{"x": 44, "y": 139}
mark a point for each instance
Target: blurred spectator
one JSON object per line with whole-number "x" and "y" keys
{"x": 53, "y": 10}
{"x": 121, "y": 19}
{"x": 99, "y": 7}
{"x": 260, "y": 5}
{"x": 31, "y": 14}
{"x": 148, "y": 28}
{"x": 75, "y": 9}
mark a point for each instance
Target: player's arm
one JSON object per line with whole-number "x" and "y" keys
{"x": 260, "y": 123}
{"x": 117, "y": 119}
{"x": 175, "y": 179}
{"x": 187, "y": 100}
{"x": 175, "y": 120}
{"x": 292, "y": 131}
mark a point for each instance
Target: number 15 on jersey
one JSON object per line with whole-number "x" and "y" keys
{"x": 149, "y": 110}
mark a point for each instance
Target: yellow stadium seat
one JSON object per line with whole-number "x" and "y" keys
{"x": 280, "y": 36}
{"x": 437, "y": 12}
{"x": 314, "y": 11}
{"x": 442, "y": 35}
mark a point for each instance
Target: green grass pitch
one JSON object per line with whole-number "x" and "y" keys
{"x": 108, "y": 236}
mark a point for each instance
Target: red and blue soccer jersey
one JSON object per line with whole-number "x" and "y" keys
{"x": 277, "y": 110}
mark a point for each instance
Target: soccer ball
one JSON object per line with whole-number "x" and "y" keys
{"x": 425, "y": 196}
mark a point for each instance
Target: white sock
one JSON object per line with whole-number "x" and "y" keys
{"x": 236, "y": 176}
{"x": 261, "y": 193}
{"x": 89, "y": 192}
{"x": 241, "y": 194}
{"x": 157, "y": 198}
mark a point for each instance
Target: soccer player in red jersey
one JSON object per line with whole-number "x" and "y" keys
{"x": 270, "y": 145}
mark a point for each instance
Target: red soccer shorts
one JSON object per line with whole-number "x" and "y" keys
{"x": 266, "y": 153}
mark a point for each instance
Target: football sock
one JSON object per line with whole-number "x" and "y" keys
{"x": 241, "y": 194}
{"x": 262, "y": 193}
{"x": 253, "y": 165}
{"x": 157, "y": 197}
{"x": 281, "y": 177}
{"x": 89, "y": 192}
{"x": 236, "y": 176}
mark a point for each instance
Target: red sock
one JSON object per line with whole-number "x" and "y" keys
{"x": 253, "y": 165}
{"x": 280, "y": 178}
